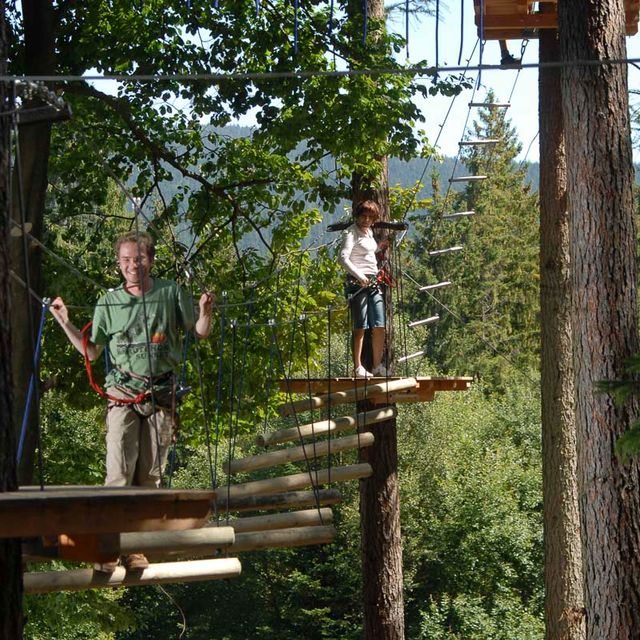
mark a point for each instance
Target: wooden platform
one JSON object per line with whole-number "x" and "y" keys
{"x": 32, "y": 512}
{"x": 425, "y": 390}
{"x": 516, "y": 19}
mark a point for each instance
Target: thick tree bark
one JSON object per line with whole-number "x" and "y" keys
{"x": 380, "y": 496}
{"x": 603, "y": 259}
{"x": 564, "y": 601}
{"x": 10, "y": 560}
{"x": 28, "y": 201}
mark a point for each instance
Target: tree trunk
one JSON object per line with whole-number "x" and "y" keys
{"x": 10, "y": 560}
{"x": 28, "y": 201}
{"x": 564, "y": 601}
{"x": 383, "y": 603}
{"x": 603, "y": 258}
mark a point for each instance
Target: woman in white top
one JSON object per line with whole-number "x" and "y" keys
{"x": 364, "y": 292}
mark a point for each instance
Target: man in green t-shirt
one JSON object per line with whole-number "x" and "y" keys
{"x": 140, "y": 323}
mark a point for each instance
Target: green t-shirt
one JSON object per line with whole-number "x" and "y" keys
{"x": 119, "y": 323}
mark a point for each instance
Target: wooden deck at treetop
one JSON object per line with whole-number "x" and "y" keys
{"x": 515, "y": 19}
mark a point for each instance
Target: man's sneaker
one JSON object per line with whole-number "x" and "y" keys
{"x": 105, "y": 567}
{"x": 135, "y": 562}
{"x": 381, "y": 371}
{"x": 361, "y": 372}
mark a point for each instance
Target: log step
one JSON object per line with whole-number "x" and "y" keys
{"x": 295, "y": 454}
{"x": 322, "y": 427}
{"x": 297, "y": 481}
{"x": 362, "y": 390}
{"x": 161, "y": 573}
{"x": 283, "y": 538}
{"x": 288, "y": 500}
{"x": 288, "y": 520}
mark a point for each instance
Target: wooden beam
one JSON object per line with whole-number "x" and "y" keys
{"x": 289, "y": 520}
{"x": 32, "y": 512}
{"x": 297, "y": 481}
{"x": 320, "y": 386}
{"x": 289, "y": 500}
{"x": 361, "y": 390}
{"x": 298, "y": 537}
{"x": 81, "y": 579}
{"x": 109, "y": 547}
{"x": 322, "y": 427}
{"x": 150, "y": 542}
{"x": 295, "y": 454}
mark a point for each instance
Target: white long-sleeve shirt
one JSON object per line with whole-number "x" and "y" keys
{"x": 358, "y": 253}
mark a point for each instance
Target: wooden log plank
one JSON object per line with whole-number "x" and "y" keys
{"x": 359, "y": 391}
{"x": 32, "y": 512}
{"x": 289, "y": 500}
{"x": 298, "y": 481}
{"x": 109, "y": 547}
{"x": 150, "y": 542}
{"x": 323, "y": 427}
{"x": 398, "y": 398}
{"x": 289, "y": 520}
{"x": 321, "y": 386}
{"x": 302, "y": 452}
{"x": 81, "y": 579}
{"x": 298, "y": 537}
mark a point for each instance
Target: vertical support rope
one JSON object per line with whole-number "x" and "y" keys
{"x": 223, "y": 319}
{"x": 147, "y": 338}
{"x": 406, "y": 26}
{"x": 365, "y": 15}
{"x": 296, "y": 6}
{"x": 316, "y": 489}
{"x": 329, "y": 336}
{"x": 243, "y": 367}
{"x": 33, "y": 380}
{"x": 27, "y": 276}
{"x": 437, "y": 35}
{"x": 462, "y": 4}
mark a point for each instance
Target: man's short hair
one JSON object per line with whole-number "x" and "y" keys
{"x": 143, "y": 239}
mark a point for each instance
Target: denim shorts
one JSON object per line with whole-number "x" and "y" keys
{"x": 367, "y": 305}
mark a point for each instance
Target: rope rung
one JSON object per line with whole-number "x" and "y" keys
{"x": 467, "y": 178}
{"x": 438, "y": 252}
{"x": 458, "y": 214}
{"x": 437, "y": 285}
{"x": 478, "y": 141}
{"x": 411, "y": 356}
{"x": 491, "y": 105}
{"x": 418, "y": 323}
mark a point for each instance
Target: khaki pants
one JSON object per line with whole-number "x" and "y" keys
{"x": 138, "y": 442}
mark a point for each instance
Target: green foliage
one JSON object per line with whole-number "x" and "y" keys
{"x": 88, "y": 615}
{"x": 471, "y": 494}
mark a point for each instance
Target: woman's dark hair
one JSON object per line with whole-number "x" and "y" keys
{"x": 367, "y": 206}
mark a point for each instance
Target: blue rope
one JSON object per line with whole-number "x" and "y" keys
{"x": 257, "y": 8}
{"x": 32, "y": 380}
{"x": 461, "y": 31}
{"x": 330, "y": 17}
{"x": 437, "y": 36}
{"x": 406, "y": 26}
{"x": 365, "y": 13}
{"x": 481, "y": 43}
{"x": 296, "y": 4}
